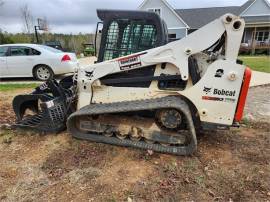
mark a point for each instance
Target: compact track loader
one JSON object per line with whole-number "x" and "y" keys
{"x": 144, "y": 91}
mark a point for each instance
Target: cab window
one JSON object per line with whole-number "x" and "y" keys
{"x": 3, "y": 51}
{"x": 126, "y": 37}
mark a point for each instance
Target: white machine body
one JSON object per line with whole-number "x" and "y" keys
{"x": 215, "y": 95}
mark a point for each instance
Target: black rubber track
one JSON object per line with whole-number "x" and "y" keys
{"x": 129, "y": 106}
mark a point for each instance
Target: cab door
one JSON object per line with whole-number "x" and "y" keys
{"x": 20, "y": 61}
{"x": 3, "y": 61}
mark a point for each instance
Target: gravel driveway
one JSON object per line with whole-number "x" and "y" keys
{"x": 258, "y": 104}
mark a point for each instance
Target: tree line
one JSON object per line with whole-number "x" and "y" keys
{"x": 69, "y": 42}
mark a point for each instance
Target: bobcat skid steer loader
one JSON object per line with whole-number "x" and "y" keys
{"x": 144, "y": 92}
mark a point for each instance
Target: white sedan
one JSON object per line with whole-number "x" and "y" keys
{"x": 33, "y": 60}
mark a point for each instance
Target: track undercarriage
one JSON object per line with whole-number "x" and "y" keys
{"x": 162, "y": 124}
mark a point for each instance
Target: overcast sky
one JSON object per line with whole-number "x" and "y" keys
{"x": 74, "y": 16}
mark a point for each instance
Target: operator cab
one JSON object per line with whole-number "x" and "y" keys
{"x": 126, "y": 32}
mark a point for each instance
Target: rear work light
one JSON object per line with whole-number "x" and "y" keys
{"x": 65, "y": 58}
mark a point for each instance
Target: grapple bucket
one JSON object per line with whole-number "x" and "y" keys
{"x": 46, "y": 109}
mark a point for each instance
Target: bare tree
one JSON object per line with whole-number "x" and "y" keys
{"x": 28, "y": 20}
{"x": 1, "y": 4}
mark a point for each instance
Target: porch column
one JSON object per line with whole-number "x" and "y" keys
{"x": 253, "y": 43}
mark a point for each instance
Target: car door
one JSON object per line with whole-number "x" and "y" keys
{"x": 20, "y": 61}
{"x": 3, "y": 61}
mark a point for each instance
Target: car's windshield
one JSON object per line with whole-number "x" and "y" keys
{"x": 51, "y": 49}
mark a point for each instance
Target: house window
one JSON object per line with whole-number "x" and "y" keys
{"x": 172, "y": 36}
{"x": 155, "y": 10}
{"x": 262, "y": 36}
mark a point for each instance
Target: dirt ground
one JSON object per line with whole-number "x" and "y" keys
{"x": 228, "y": 166}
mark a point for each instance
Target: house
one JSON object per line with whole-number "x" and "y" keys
{"x": 181, "y": 22}
{"x": 177, "y": 27}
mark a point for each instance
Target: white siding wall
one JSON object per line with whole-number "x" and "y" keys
{"x": 167, "y": 14}
{"x": 257, "y": 8}
{"x": 180, "y": 33}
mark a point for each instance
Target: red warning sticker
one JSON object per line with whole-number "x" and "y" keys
{"x": 130, "y": 62}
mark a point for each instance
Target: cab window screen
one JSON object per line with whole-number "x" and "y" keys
{"x": 126, "y": 37}
{"x": 111, "y": 42}
{"x": 149, "y": 36}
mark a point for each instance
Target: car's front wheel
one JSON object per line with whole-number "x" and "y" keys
{"x": 43, "y": 73}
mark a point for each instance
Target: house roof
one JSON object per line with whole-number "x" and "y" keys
{"x": 198, "y": 17}
{"x": 256, "y": 19}
{"x": 245, "y": 6}
{"x": 249, "y": 4}
{"x": 195, "y": 18}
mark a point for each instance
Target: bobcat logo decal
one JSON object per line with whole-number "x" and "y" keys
{"x": 207, "y": 90}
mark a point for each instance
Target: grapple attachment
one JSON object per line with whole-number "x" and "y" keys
{"x": 46, "y": 109}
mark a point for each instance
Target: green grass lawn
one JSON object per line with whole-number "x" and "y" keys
{"x": 257, "y": 63}
{"x": 9, "y": 87}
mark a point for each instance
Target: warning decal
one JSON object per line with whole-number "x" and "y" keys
{"x": 130, "y": 62}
